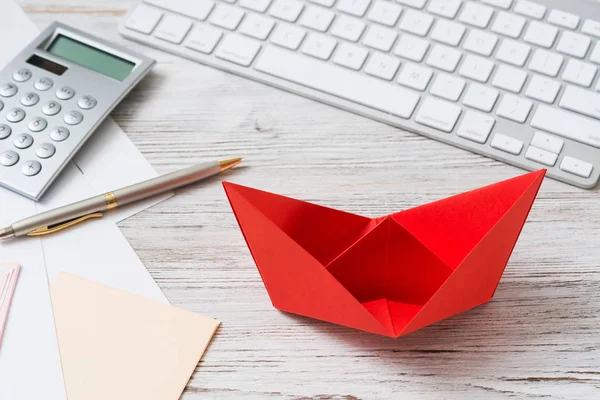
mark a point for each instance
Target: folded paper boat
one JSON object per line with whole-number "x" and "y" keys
{"x": 389, "y": 275}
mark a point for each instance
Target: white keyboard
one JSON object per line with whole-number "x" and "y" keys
{"x": 513, "y": 80}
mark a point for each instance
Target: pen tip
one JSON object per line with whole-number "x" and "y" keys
{"x": 229, "y": 163}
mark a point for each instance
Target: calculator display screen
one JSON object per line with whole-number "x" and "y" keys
{"x": 90, "y": 57}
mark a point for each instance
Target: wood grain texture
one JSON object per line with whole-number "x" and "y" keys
{"x": 539, "y": 337}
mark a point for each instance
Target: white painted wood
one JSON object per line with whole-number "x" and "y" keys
{"x": 539, "y": 337}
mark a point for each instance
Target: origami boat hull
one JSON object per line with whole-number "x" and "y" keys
{"x": 389, "y": 275}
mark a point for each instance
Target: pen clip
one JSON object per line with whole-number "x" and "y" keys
{"x": 46, "y": 230}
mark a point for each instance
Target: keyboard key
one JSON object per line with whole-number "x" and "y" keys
{"x": 579, "y": 73}
{"x": 8, "y": 90}
{"x": 476, "y": 127}
{"x": 444, "y": 8}
{"x": 385, "y": 13}
{"x": 509, "y": 78}
{"x": 595, "y": 56}
{"x": 476, "y": 14}
{"x": 438, "y": 114}
{"x": 499, "y": 3}
{"x": 256, "y": 5}
{"x": 143, "y": 19}
{"x": 546, "y": 62}
{"x": 444, "y": 58}
{"x": 380, "y": 38}
{"x": 581, "y": 101}
{"x": 576, "y": 167}
{"x": 547, "y": 142}
{"x": 198, "y": 9}
{"x": 591, "y": 27}
{"x": 480, "y": 42}
{"x": 23, "y": 141}
{"x": 354, "y": 7}
{"x": 288, "y": 36}
{"x": 542, "y": 89}
{"x": 382, "y": 66}
{"x": 226, "y": 16}
{"x": 350, "y": 56}
{"x": 59, "y": 134}
{"x": 561, "y": 18}
{"x": 257, "y": 26}
{"x": 480, "y": 97}
{"x": 173, "y": 28}
{"x": 413, "y": 3}
{"x": 448, "y": 32}
{"x": 541, "y": 34}
{"x": 447, "y": 87}
{"x": 203, "y": 38}
{"x": 15, "y": 115}
{"x": 573, "y": 44}
{"x": 530, "y": 9}
{"x": 514, "y": 108}
{"x": 237, "y": 49}
{"x": 411, "y": 47}
{"x": 508, "y": 24}
{"x": 9, "y": 158}
{"x": 319, "y": 46}
{"x": 288, "y": 10}
{"x": 45, "y": 150}
{"x": 415, "y": 76}
{"x": 541, "y": 156}
{"x": 507, "y": 144}
{"x": 476, "y": 68}
{"x": 317, "y": 18}
{"x": 338, "y": 81}
{"x": 567, "y": 124}
{"x": 416, "y": 22}
{"x": 513, "y": 52}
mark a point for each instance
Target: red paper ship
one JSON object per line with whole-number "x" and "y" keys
{"x": 389, "y": 275}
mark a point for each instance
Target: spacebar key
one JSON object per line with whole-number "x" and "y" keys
{"x": 338, "y": 81}
{"x": 567, "y": 124}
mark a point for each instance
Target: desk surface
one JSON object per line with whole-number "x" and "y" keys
{"x": 539, "y": 337}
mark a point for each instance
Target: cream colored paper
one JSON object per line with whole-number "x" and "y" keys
{"x": 116, "y": 345}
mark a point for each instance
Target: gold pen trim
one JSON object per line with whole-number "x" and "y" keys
{"x": 111, "y": 200}
{"x": 46, "y": 230}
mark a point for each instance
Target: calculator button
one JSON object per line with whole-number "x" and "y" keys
{"x": 30, "y": 99}
{"x": 37, "y": 124}
{"x": 59, "y": 134}
{"x": 43, "y": 84}
{"x": 65, "y": 93}
{"x": 15, "y": 115}
{"x": 51, "y": 108}
{"x": 87, "y": 102}
{"x": 46, "y": 150}
{"x": 1, "y": 105}
{"x": 9, "y": 158}
{"x": 73, "y": 117}
{"x": 5, "y": 131}
{"x": 23, "y": 141}
{"x": 31, "y": 168}
{"x": 22, "y": 75}
{"x": 8, "y": 90}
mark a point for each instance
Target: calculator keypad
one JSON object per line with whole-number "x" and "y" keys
{"x": 39, "y": 120}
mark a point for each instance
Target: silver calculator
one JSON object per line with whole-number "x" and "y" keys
{"x": 53, "y": 95}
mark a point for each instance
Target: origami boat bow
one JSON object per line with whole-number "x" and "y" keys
{"x": 389, "y": 275}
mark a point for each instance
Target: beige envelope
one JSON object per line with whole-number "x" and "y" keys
{"x": 116, "y": 345}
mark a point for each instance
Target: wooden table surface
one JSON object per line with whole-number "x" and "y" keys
{"x": 538, "y": 337}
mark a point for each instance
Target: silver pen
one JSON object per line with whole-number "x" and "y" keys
{"x": 72, "y": 214}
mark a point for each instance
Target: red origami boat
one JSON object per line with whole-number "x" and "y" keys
{"x": 389, "y": 275}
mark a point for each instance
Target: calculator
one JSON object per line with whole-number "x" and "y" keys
{"x": 53, "y": 96}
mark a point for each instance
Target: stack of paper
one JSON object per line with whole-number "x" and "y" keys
{"x": 8, "y": 281}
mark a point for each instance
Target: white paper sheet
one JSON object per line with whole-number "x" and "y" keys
{"x": 29, "y": 359}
